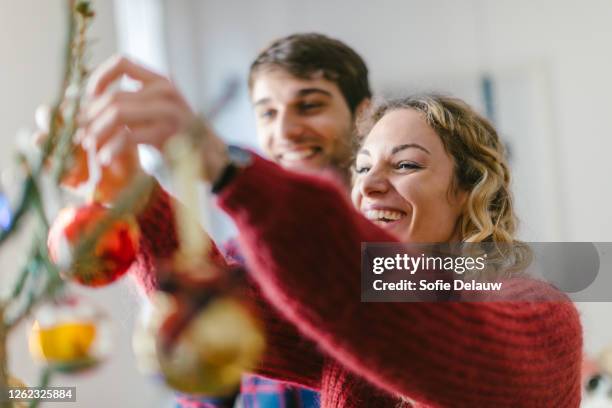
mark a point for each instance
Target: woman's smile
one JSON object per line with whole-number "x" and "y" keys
{"x": 404, "y": 178}
{"x": 385, "y": 216}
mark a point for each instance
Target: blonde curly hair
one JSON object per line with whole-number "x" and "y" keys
{"x": 481, "y": 168}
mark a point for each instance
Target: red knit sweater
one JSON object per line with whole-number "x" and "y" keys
{"x": 301, "y": 240}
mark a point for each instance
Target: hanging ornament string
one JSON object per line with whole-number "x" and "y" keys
{"x": 182, "y": 153}
{"x": 201, "y": 311}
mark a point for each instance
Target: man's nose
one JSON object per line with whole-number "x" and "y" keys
{"x": 289, "y": 128}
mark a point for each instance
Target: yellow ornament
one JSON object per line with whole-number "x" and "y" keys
{"x": 209, "y": 357}
{"x": 63, "y": 342}
{"x": 69, "y": 335}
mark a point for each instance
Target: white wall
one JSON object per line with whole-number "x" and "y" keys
{"x": 424, "y": 45}
{"x": 31, "y": 47}
{"x": 559, "y": 49}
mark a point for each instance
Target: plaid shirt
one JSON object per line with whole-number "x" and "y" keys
{"x": 257, "y": 392}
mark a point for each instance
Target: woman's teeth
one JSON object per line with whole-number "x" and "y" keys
{"x": 384, "y": 215}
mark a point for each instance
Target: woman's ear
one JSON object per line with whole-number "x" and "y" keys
{"x": 461, "y": 197}
{"x": 456, "y": 195}
{"x": 458, "y": 198}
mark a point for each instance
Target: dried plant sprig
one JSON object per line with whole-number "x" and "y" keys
{"x": 74, "y": 84}
{"x": 61, "y": 131}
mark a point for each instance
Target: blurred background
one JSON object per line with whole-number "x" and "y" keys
{"x": 540, "y": 69}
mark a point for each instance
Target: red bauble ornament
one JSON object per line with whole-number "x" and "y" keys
{"x": 106, "y": 259}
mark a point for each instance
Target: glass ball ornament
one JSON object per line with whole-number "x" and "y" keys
{"x": 70, "y": 334}
{"x": 220, "y": 343}
{"x": 109, "y": 257}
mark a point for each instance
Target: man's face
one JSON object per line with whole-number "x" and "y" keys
{"x": 302, "y": 124}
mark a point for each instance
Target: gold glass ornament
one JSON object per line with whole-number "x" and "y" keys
{"x": 209, "y": 356}
{"x": 70, "y": 334}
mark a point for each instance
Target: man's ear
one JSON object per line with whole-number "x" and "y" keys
{"x": 363, "y": 107}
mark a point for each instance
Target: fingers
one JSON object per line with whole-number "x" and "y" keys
{"x": 114, "y": 69}
{"x": 155, "y": 135}
{"x": 157, "y": 110}
{"x": 113, "y": 148}
{"x": 117, "y": 170}
{"x": 156, "y": 90}
{"x": 159, "y": 113}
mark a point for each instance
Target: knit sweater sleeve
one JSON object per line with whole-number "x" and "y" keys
{"x": 284, "y": 345}
{"x": 301, "y": 239}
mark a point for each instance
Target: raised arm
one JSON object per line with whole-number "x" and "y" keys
{"x": 152, "y": 114}
{"x": 301, "y": 239}
{"x": 285, "y": 346}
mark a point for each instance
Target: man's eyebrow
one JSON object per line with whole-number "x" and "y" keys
{"x": 409, "y": 146}
{"x": 309, "y": 91}
{"x": 299, "y": 94}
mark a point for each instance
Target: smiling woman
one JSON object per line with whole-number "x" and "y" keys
{"x": 431, "y": 169}
{"x": 404, "y": 180}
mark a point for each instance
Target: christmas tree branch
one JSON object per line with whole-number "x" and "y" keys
{"x": 51, "y": 286}
{"x": 38, "y": 205}
{"x": 77, "y": 76}
{"x": 29, "y": 268}
{"x": 30, "y": 196}
{"x": 78, "y": 14}
{"x": 61, "y": 131}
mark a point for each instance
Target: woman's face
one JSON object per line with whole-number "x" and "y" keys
{"x": 404, "y": 178}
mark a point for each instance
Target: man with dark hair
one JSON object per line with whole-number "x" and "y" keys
{"x": 306, "y": 90}
{"x": 307, "y": 55}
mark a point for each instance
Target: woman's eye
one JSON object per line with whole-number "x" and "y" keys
{"x": 406, "y": 165}
{"x": 361, "y": 169}
{"x": 267, "y": 114}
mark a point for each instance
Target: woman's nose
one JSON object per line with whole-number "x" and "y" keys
{"x": 374, "y": 182}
